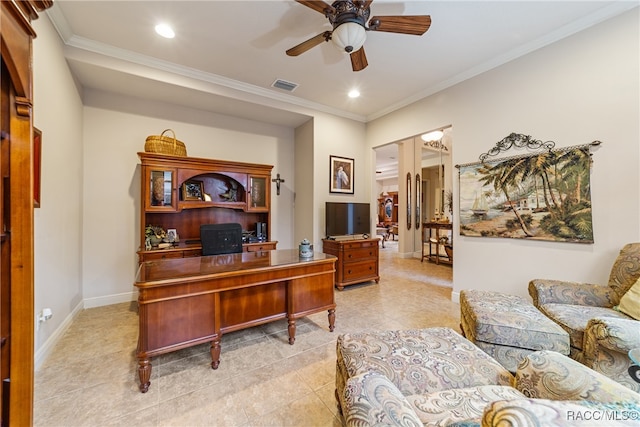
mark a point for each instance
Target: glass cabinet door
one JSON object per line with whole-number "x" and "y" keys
{"x": 259, "y": 193}
{"x": 159, "y": 186}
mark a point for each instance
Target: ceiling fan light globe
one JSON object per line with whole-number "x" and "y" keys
{"x": 349, "y": 36}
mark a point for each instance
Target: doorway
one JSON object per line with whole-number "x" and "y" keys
{"x": 432, "y": 160}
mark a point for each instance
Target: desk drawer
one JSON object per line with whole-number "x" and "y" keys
{"x": 192, "y": 252}
{"x": 357, "y": 270}
{"x": 257, "y": 247}
{"x": 162, "y": 255}
{"x": 361, "y": 254}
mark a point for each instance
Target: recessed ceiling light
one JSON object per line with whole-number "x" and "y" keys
{"x": 165, "y": 31}
{"x": 354, "y": 93}
{"x": 436, "y": 135}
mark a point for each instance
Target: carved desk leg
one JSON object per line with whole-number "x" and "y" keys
{"x": 332, "y": 319}
{"x": 292, "y": 331}
{"x": 144, "y": 373}
{"x": 215, "y": 352}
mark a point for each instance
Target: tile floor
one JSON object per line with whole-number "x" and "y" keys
{"x": 90, "y": 378}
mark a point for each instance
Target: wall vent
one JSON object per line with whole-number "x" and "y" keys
{"x": 285, "y": 85}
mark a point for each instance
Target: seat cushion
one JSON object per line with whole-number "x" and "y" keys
{"x": 509, "y": 320}
{"x": 551, "y": 375}
{"x": 574, "y": 318}
{"x": 442, "y": 408}
{"x": 417, "y": 361}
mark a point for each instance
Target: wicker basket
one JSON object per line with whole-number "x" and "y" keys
{"x": 165, "y": 145}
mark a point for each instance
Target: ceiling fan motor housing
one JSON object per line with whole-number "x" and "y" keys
{"x": 350, "y": 37}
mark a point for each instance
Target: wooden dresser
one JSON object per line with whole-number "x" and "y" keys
{"x": 357, "y": 260}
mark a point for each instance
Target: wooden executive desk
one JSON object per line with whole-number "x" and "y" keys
{"x": 187, "y": 301}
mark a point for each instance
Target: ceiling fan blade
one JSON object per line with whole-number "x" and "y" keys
{"x": 416, "y": 24}
{"x": 358, "y": 60}
{"x": 318, "y": 6}
{"x": 312, "y": 42}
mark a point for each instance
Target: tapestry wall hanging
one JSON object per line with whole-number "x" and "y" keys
{"x": 540, "y": 196}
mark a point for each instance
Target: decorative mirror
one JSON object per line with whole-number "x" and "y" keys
{"x": 408, "y": 200}
{"x": 418, "y": 199}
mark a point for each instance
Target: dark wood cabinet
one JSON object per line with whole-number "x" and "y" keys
{"x": 357, "y": 260}
{"x": 181, "y": 193}
{"x": 17, "y": 317}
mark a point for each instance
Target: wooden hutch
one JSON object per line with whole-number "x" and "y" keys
{"x": 181, "y": 193}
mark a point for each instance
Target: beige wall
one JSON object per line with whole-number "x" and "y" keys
{"x": 580, "y": 89}
{"x": 339, "y": 137}
{"x": 574, "y": 91}
{"x": 58, "y": 222}
{"x": 112, "y": 182}
{"x": 304, "y": 176}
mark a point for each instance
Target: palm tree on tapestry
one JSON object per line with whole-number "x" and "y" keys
{"x": 573, "y": 216}
{"x": 562, "y": 175}
{"x": 505, "y": 176}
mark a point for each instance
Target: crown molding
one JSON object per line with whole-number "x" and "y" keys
{"x": 77, "y": 42}
{"x": 570, "y": 29}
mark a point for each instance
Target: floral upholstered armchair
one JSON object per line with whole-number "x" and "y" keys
{"x": 600, "y": 334}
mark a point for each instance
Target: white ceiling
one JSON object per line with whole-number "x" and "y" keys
{"x": 226, "y": 54}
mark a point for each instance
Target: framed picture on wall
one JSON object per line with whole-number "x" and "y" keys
{"x": 341, "y": 172}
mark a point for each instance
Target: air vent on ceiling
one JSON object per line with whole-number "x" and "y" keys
{"x": 285, "y": 85}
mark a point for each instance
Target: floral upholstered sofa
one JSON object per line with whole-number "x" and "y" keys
{"x": 601, "y": 335}
{"x": 436, "y": 377}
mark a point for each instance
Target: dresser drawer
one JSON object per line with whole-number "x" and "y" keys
{"x": 359, "y": 244}
{"x": 357, "y": 270}
{"x": 360, "y": 254}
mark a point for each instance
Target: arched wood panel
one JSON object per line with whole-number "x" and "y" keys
{"x": 16, "y": 211}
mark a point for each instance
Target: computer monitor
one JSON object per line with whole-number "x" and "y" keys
{"x": 221, "y": 238}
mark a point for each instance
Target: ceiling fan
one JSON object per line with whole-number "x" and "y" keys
{"x": 349, "y": 20}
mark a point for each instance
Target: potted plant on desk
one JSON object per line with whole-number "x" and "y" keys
{"x": 154, "y": 235}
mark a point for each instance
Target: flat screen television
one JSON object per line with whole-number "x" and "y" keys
{"x": 347, "y": 218}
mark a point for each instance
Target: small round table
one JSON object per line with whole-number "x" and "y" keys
{"x": 634, "y": 369}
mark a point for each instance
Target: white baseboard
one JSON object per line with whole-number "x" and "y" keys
{"x": 44, "y": 351}
{"x": 110, "y": 299}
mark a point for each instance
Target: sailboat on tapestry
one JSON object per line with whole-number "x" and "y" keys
{"x": 480, "y": 206}
{"x": 543, "y": 196}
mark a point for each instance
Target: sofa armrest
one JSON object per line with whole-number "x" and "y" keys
{"x": 550, "y": 375}
{"x": 372, "y": 399}
{"x": 545, "y": 291}
{"x": 553, "y": 413}
{"x": 616, "y": 334}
